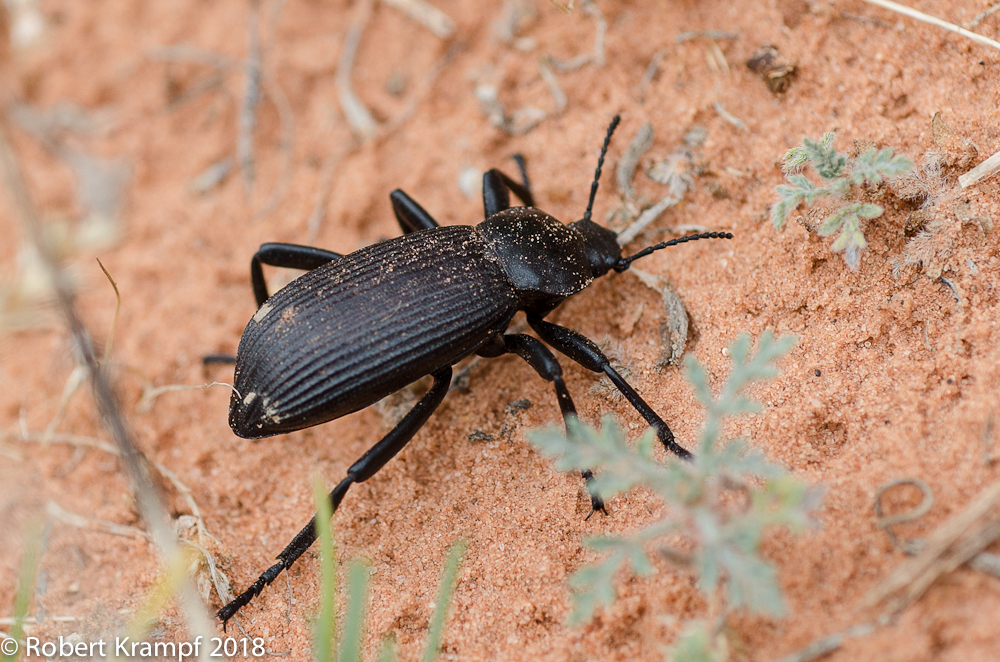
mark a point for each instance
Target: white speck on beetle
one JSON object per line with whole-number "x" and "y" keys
{"x": 262, "y": 312}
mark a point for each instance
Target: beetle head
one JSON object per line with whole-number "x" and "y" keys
{"x": 601, "y": 245}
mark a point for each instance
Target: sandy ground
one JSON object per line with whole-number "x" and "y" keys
{"x": 893, "y": 376}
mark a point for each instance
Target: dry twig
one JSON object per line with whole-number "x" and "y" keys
{"x": 926, "y": 18}
{"x": 186, "y": 53}
{"x": 887, "y": 522}
{"x": 829, "y": 643}
{"x": 954, "y": 543}
{"x": 978, "y": 18}
{"x": 709, "y": 34}
{"x": 646, "y": 218}
{"x": 597, "y": 56}
{"x": 987, "y": 168}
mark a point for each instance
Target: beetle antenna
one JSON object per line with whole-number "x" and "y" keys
{"x": 624, "y": 263}
{"x": 600, "y": 164}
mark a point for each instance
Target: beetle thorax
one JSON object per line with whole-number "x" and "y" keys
{"x": 545, "y": 260}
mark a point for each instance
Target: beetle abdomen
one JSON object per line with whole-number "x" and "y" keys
{"x": 347, "y": 334}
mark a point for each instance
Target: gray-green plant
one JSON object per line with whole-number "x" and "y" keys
{"x": 719, "y": 504}
{"x": 352, "y": 634}
{"x": 842, "y": 178}
{"x": 699, "y": 643}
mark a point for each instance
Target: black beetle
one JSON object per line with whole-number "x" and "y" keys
{"x": 359, "y": 327}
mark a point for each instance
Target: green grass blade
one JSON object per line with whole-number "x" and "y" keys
{"x": 26, "y": 582}
{"x": 325, "y": 629}
{"x": 448, "y": 577}
{"x": 388, "y": 650}
{"x": 354, "y": 622}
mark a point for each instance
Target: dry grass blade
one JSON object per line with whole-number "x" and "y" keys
{"x": 650, "y": 73}
{"x": 150, "y": 507}
{"x": 251, "y": 96}
{"x": 637, "y": 148}
{"x": 729, "y": 117}
{"x": 151, "y": 393}
{"x": 219, "y": 578}
{"x": 359, "y": 118}
{"x": 286, "y": 118}
{"x": 558, "y": 96}
{"x": 927, "y": 18}
{"x": 955, "y": 542}
{"x": 109, "y": 342}
{"x": 646, "y": 218}
{"x": 274, "y": 91}
{"x": 828, "y": 644}
{"x": 57, "y": 512}
{"x": 426, "y": 15}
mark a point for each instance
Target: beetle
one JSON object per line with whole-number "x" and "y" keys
{"x": 356, "y": 328}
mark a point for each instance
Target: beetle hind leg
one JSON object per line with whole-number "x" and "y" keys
{"x": 540, "y": 357}
{"x": 367, "y": 466}
{"x": 289, "y": 256}
{"x": 583, "y": 350}
{"x": 409, "y": 213}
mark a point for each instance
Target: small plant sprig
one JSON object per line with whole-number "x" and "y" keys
{"x": 842, "y": 176}
{"x": 725, "y": 536}
{"x": 358, "y": 573}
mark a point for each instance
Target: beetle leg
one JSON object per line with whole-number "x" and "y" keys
{"x": 290, "y": 256}
{"x": 541, "y": 358}
{"x": 411, "y": 216}
{"x": 360, "y": 471}
{"x": 497, "y": 187}
{"x": 583, "y": 350}
{"x": 523, "y": 170}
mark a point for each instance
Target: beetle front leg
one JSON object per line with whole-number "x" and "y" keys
{"x": 540, "y": 357}
{"x": 583, "y": 350}
{"x": 374, "y": 459}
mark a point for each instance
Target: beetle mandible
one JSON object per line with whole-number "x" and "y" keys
{"x": 359, "y": 327}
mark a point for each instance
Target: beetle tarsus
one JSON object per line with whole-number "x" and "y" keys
{"x": 246, "y": 596}
{"x": 585, "y": 352}
{"x": 596, "y": 502}
{"x": 369, "y": 463}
